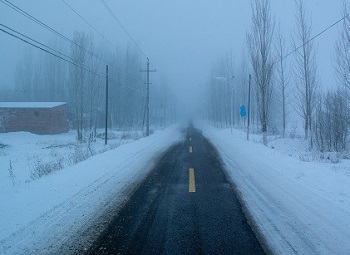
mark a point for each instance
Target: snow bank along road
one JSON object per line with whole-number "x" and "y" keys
{"x": 185, "y": 206}
{"x": 293, "y": 203}
{"x": 62, "y": 212}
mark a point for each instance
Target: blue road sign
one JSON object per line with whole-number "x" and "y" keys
{"x": 243, "y": 111}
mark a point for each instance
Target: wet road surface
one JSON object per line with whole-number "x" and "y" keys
{"x": 185, "y": 206}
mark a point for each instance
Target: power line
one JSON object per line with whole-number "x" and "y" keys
{"x": 35, "y": 41}
{"x": 43, "y": 47}
{"x": 100, "y": 34}
{"x": 27, "y": 15}
{"x": 123, "y": 27}
{"x": 56, "y": 53}
{"x": 31, "y": 17}
{"x": 313, "y": 38}
{"x": 90, "y": 25}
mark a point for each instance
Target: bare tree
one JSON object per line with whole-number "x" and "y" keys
{"x": 260, "y": 50}
{"x": 128, "y": 95}
{"x": 230, "y": 87}
{"x": 342, "y": 48}
{"x": 77, "y": 78}
{"x": 54, "y": 74}
{"x": 220, "y": 86}
{"x": 332, "y": 122}
{"x": 305, "y": 70}
{"x": 93, "y": 89}
{"x": 24, "y": 77}
{"x": 282, "y": 78}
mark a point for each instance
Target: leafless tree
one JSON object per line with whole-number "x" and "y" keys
{"x": 305, "y": 69}
{"x": 128, "y": 93}
{"x": 230, "y": 83}
{"x": 282, "y": 78}
{"x": 332, "y": 121}
{"x": 54, "y": 75}
{"x": 25, "y": 77}
{"x": 260, "y": 49}
{"x": 77, "y": 90}
{"x": 342, "y": 49}
{"x": 93, "y": 91}
{"x": 221, "y": 87}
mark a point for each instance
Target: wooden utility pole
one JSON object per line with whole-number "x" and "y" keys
{"x": 147, "y": 98}
{"x": 250, "y": 78}
{"x": 106, "y": 123}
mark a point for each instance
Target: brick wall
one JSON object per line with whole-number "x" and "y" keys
{"x": 35, "y": 120}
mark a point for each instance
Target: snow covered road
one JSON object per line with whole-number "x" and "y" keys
{"x": 293, "y": 212}
{"x": 39, "y": 217}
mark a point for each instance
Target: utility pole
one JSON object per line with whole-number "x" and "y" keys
{"x": 250, "y": 78}
{"x": 106, "y": 123}
{"x": 161, "y": 114}
{"x": 231, "y": 106}
{"x": 147, "y": 98}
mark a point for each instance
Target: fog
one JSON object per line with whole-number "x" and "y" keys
{"x": 183, "y": 39}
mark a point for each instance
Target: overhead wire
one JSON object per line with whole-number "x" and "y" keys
{"x": 123, "y": 27}
{"x": 31, "y": 17}
{"x": 91, "y": 26}
{"x": 41, "y": 46}
{"x": 47, "y": 49}
{"x": 313, "y": 38}
{"x": 56, "y": 53}
{"x": 35, "y": 41}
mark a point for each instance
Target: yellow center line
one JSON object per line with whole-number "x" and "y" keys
{"x": 190, "y": 149}
{"x": 191, "y": 181}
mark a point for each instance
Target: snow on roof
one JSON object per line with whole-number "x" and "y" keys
{"x": 30, "y": 104}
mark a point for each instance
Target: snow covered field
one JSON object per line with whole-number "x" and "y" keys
{"x": 26, "y": 157}
{"x": 37, "y": 216}
{"x": 298, "y": 207}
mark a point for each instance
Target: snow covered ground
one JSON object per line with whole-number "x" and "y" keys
{"x": 298, "y": 204}
{"x": 26, "y": 157}
{"x": 38, "y": 215}
{"x": 298, "y": 207}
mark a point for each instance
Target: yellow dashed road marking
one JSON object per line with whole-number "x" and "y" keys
{"x": 191, "y": 181}
{"x": 190, "y": 149}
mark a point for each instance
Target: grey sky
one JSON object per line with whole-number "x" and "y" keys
{"x": 182, "y": 38}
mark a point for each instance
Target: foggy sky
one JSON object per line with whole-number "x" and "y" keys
{"x": 182, "y": 38}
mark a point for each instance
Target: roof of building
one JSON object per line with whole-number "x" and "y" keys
{"x": 30, "y": 104}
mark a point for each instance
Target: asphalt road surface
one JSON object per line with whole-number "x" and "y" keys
{"x": 185, "y": 206}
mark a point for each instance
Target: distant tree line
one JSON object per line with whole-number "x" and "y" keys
{"x": 42, "y": 77}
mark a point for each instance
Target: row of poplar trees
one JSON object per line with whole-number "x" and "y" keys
{"x": 42, "y": 77}
{"x": 278, "y": 87}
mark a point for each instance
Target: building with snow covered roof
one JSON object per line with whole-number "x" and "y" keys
{"x": 35, "y": 117}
